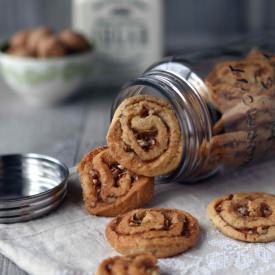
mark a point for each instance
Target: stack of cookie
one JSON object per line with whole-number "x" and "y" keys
{"x": 144, "y": 141}
{"x": 43, "y": 42}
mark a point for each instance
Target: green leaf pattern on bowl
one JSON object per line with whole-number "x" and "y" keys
{"x": 32, "y": 77}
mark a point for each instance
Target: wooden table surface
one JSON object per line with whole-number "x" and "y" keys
{"x": 65, "y": 132}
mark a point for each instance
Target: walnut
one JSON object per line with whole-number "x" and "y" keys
{"x": 262, "y": 230}
{"x": 36, "y": 36}
{"x": 73, "y": 41}
{"x": 50, "y": 47}
{"x": 265, "y": 210}
{"x": 19, "y": 39}
{"x": 111, "y": 199}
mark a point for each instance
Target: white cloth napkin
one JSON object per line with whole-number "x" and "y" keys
{"x": 69, "y": 241}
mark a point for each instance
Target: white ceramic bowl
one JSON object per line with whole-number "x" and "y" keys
{"x": 46, "y": 81}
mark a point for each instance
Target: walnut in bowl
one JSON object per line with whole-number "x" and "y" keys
{"x": 38, "y": 65}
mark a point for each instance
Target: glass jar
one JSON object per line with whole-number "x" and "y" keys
{"x": 221, "y": 131}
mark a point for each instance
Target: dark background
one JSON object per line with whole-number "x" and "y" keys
{"x": 187, "y": 23}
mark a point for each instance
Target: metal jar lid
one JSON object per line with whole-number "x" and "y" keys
{"x": 31, "y": 186}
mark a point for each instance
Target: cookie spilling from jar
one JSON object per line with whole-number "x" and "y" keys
{"x": 248, "y": 217}
{"x": 44, "y": 42}
{"x": 145, "y": 136}
{"x": 108, "y": 187}
{"x": 144, "y": 141}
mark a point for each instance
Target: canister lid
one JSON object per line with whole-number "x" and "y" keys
{"x": 31, "y": 185}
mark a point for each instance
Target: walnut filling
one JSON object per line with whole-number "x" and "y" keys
{"x": 265, "y": 210}
{"x": 261, "y": 230}
{"x": 97, "y": 184}
{"x": 146, "y": 140}
{"x": 218, "y": 208}
{"x": 117, "y": 171}
{"x": 137, "y": 218}
{"x": 159, "y": 221}
{"x": 247, "y": 209}
{"x": 167, "y": 222}
{"x": 127, "y": 148}
{"x": 242, "y": 210}
{"x": 144, "y": 112}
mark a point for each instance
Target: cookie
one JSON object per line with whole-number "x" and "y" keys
{"x": 260, "y": 111}
{"x": 110, "y": 189}
{"x": 248, "y": 217}
{"x": 145, "y": 136}
{"x": 50, "y": 46}
{"x": 73, "y": 41}
{"x": 135, "y": 264}
{"x": 235, "y": 149}
{"x": 162, "y": 232}
{"x": 233, "y": 81}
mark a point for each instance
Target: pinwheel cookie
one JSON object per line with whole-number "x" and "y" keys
{"x": 163, "y": 232}
{"x": 110, "y": 189}
{"x": 135, "y": 264}
{"x": 233, "y": 81}
{"x": 248, "y": 217}
{"x": 239, "y": 148}
{"x": 145, "y": 136}
{"x": 258, "y": 113}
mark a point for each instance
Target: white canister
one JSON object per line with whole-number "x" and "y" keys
{"x": 127, "y": 33}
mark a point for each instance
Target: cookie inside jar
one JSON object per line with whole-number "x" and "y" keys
{"x": 224, "y": 106}
{"x": 243, "y": 91}
{"x": 145, "y": 136}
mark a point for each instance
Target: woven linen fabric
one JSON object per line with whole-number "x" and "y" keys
{"x": 69, "y": 241}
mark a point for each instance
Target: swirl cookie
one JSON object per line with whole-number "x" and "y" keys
{"x": 248, "y": 217}
{"x": 136, "y": 264}
{"x": 110, "y": 189}
{"x": 145, "y": 136}
{"x": 242, "y": 116}
{"x": 162, "y": 232}
{"x": 235, "y": 149}
{"x": 233, "y": 81}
